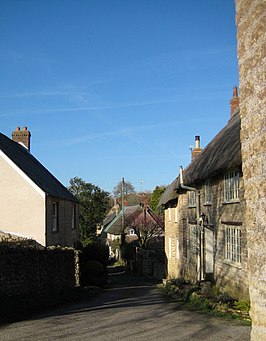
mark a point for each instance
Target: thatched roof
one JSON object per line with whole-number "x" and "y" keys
{"x": 169, "y": 193}
{"x": 221, "y": 154}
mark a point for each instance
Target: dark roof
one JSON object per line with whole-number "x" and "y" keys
{"x": 221, "y": 154}
{"x": 34, "y": 169}
{"x": 108, "y": 219}
{"x": 169, "y": 193}
{"x": 115, "y": 226}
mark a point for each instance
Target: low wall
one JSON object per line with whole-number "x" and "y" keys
{"x": 27, "y": 270}
{"x": 151, "y": 262}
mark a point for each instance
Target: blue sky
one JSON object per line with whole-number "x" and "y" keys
{"x": 116, "y": 88}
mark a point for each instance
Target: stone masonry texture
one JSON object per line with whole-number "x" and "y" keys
{"x": 251, "y": 36}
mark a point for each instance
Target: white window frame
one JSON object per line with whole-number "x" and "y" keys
{"x": 193, "y": 238}
{"x": 208, "y": 192}
{"x": 55, "y": 209}
{"x": 231, "y": 186}
{"x": 132, "y": 232}
{"x": 232, "y": 244}
{"x": 191, "y": 199}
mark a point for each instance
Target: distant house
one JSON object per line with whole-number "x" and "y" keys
{"x": 205, "y": 234}
{"x": 34, "y": 204}
{"x": 136, "y": 223}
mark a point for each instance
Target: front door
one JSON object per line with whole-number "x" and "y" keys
{"x": 209, "y": 245}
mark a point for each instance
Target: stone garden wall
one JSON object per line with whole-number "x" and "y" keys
{"x": 30, "y": 270}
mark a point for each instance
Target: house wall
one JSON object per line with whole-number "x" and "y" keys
{"x": 65, "y": 235}
{"x": 251, "y": 34}
{"x": 173, "y": 247}
{"x": 22, "y": 209}
{"x": 228, "y": 276}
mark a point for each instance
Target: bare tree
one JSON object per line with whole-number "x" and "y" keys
{"x": 128, "y": 188}
{"x": 145, "y": 224}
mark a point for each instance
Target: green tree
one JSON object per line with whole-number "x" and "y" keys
{"x": 128, "y": 188}
{"x": 93, "y": 205}
{"x": 155, "y": 198}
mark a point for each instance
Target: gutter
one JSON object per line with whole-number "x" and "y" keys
{"x": 199, "y": 224}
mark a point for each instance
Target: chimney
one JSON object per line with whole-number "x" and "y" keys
{"x": 197, "y": 150}
{"x": 22, "y": 137}
{"x": 234, "y": 103}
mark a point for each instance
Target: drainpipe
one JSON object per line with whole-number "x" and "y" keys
{"x": 199, "y": 223}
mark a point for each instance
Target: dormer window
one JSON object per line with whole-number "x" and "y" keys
{"x": 231, "y": 186}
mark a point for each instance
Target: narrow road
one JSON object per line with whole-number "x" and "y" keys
{"x": 131, "y": 309}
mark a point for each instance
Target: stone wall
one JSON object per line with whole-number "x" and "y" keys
{"x": 151, "y": 262}
{"x": 183, "y": 258}
{"x": 27, "y": 270}
{"x": 251, "y": 35}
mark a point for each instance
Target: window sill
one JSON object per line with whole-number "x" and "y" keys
{"x": 192, "y": 206}
{"x": 235, "y": 201}
{"x": 207, "y": 204}
{"x": 233, "y": 264}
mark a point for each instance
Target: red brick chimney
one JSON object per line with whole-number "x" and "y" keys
{"x": 234, "y": 103}
{"x": 22, "y": 137}
{"x": 197, "y": 150}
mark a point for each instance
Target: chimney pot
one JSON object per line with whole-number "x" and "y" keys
{"x": 234, "y": 103}
{"x": 22, "y": 137}
{"x": 197, "y": 150}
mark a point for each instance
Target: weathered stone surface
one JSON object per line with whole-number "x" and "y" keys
{"x": 251, "y": 25}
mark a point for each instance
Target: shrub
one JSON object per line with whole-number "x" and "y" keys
{"x": 93, "y": 273}
{"x": 95, "y": 251}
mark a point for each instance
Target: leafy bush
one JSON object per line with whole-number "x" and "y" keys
{"x": 93, "y": 273}
{"x": 95, "y": 251}
{"x": 242, "y": 305}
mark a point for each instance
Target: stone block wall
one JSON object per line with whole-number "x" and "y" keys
{"x": 26, "y": 270}
{"x": 66, "y": 235}
{"x": 251, "y": 36}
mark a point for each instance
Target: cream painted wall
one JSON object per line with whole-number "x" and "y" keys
{"x": 22, "y": 204}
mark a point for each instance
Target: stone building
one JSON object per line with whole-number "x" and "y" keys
{"x": 34, "y": 204}
{"x": 205, "y": 235}
{"x": 251, "y": 36}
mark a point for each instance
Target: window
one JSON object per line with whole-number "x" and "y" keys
{"x": 194, "y": 239}
{"x": 232, "y": 244}
{"x": 55, "y": 216}
{"x": 208, "y": 192}
{"x": 231, "y": 186}
{"x": 73, "y": 217}
{"x": 132, "y": 232}
{"x": 176, "y": 214}
{"x": 192, "y": 199}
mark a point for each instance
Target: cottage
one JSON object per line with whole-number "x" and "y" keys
{"x": 34, "y": 204}
{"x": 205, "y": 234}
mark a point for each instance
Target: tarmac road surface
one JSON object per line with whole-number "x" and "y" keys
{"x": 131, "y": 308}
